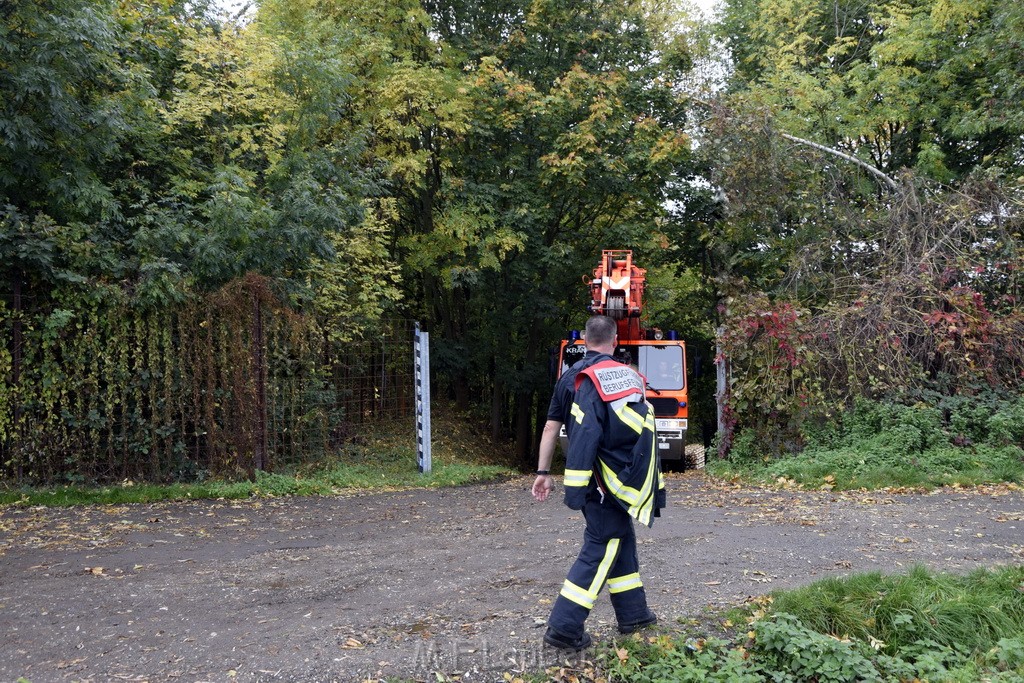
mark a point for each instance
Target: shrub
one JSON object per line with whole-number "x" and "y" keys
{"x": 1006, "y": 426}
{"x": 866, "y": 627}
{"x": 784, "y": 645}
{"x": 885, "y": 443}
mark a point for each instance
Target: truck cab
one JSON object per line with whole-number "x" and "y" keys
{"x": 662, "y": 363}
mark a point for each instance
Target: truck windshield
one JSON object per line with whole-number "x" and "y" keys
{"x": 662, "y": 365}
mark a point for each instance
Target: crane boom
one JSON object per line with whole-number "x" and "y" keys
{"x": 617, "y": 290}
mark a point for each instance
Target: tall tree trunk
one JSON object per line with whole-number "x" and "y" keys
{"x": 524, "y": 429}
{"x": 497, "y": 405}
{"x": 16, "y": 373}
{"x": 455, "y": 328}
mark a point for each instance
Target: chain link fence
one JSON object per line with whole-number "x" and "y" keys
{"x": 228, "y": 385}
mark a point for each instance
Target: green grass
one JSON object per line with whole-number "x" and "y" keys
{"x": 880, "y": 445}
{"x": 862, "y": 466}
{"x": 338, "y": 479}
{"x": 969, "y": 613}
{"x": 920, "y": 626}
{"x": 383, "y": 458}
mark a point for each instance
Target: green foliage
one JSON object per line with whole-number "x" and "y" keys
{"x": 904, "y": 430}
{"x": 961, "y": 615}
{"x": 713, "y": 660}
{"x": 342, "y": 478}
{"x": 1006, "y": 425}
{"x": 866, "y": 627}
{"x": 147, "y": 145}
{"x": 784, "y": 644}
{"x": 348, "y": 307}
{"x": 66, "y": 106}
{"x": 905, "y": 285}
{"x": 225, "y": 384}
{"x": 152, "y": 156}
{"x": 879, "y": 444}
{"x": 471, "y": 161}
{"x": 264, "y": 165}
{"x": 384, "y": 458}
{"x": 572, "y": 139}
{"x": 894, "y": 82}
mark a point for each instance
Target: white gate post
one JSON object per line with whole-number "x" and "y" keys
{"x": 421, "y": 361}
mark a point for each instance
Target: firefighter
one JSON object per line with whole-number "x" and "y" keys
{"x": 558, "y": 414}
{"x": 613, "y": 475}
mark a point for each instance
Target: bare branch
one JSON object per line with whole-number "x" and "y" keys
{"x": 893, "y": 185}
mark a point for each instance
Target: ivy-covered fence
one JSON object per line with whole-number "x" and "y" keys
{"x": 227, "y": 384}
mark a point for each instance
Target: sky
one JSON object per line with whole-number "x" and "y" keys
{"x": 231, "y": 6}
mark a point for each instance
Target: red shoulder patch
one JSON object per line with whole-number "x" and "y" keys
{"x": 613, "y": 380}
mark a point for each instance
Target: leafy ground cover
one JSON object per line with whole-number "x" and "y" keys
{"x": 382, "y": 457}
{"x": 913, "y": 627}
{"x": 919, "y": 626}
{"x": 967, "y": 442}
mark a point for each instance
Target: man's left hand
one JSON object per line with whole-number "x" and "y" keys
{"x": 542, "y": 486}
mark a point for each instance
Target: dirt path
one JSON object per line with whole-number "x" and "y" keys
{"x": 406, "y": 583}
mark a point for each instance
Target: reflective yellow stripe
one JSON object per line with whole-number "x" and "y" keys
{"x": 577, "y": 477}
{"x": 610, "y": 551}
{"x": 644, "y": 514}
{"x": 583, "y": 598}
{"x": 641, "y": 503}
{"x": 621, "y": 584}
{"x": 629, "y": 417}
{"x": 578, "y": 413}
{"x": 624, "y": 493}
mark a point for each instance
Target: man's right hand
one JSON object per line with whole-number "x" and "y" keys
{"x": 542, "y": 487}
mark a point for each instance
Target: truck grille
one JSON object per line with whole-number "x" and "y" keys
{"x": 664, "y": 407}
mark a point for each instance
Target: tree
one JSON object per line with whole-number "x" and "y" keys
{"x": 67, "y": 105}
{"x": 871, "y": 194}
{"x": 265, "y": 169}
{"x": 575, "y": 141}
{"x": 924, "y": 84}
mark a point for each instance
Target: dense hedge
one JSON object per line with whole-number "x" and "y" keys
{"x": 229, "y": 383}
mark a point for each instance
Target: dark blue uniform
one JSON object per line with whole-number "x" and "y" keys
{"x": 565, "y": 389}
{"x": 612, "y": 474}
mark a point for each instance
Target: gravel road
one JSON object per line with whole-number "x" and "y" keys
{"x": 409, "y": 583}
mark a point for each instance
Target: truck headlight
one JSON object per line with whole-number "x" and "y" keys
{"x": 670, "y": 424}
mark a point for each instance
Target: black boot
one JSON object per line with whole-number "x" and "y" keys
{"x": 648, "y": 620}
{"x": 555, "y": 639}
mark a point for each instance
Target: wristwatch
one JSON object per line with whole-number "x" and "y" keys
{"x": 543, "y": 472}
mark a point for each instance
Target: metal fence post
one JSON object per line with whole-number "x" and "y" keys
{"x": 421, "y": 352}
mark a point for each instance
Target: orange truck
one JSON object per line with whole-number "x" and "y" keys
{"x": 617, "y": 290}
